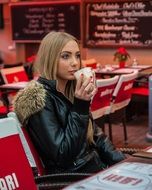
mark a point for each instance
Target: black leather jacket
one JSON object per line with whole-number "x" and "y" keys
{"x": 58, "y": 129}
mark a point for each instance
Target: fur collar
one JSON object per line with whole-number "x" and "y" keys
{"x": 29, "y": 101}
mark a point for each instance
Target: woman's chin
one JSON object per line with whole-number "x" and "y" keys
{"x": 71, "y": 77}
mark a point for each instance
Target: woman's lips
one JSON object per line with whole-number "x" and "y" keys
{"x": 72, "y": 72}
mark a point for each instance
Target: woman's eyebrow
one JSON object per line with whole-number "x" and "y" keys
{"x": 78, "y": 52}
{"x": 66, "y": 52}
{"x": 69, "y": 52}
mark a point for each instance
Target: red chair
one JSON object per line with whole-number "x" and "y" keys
{"x": 3, "y": 111}
{"x": 121, "y": 98}
{"x": 140, "y": 95}
{"x": 15, "y": 170}
{"x": 14, "y": 74}
{"x": 31, "y": 153}
{"x": 100, "y": 105}
{"x": 101, "y": 101}
{"x": 140, "y": 91}
{"x": 122, "y": 93}
{"x": 39, "y": 165}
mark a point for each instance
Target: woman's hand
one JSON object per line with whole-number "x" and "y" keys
{"x": 85, "y": 90}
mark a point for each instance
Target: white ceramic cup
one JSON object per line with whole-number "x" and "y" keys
{"x": 87, "y": 72}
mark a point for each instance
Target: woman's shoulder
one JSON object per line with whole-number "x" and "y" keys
{"x": 29, "y": 100}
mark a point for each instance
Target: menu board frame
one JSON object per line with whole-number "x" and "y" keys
{"x": 96, "y": 31}
{"x": 61, "y": 16}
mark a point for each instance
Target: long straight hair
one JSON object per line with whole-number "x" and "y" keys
{"x": 48, "y": 57}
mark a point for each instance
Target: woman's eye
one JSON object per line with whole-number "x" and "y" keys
{"x": 78, "y": 56}
{"x": 65, "y": 56}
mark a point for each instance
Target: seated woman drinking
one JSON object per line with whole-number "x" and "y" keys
{"x": 55, "y": 111}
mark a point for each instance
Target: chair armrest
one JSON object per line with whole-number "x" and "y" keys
{"x": 59, "y": 180}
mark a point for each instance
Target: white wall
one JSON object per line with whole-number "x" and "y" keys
{"x": 105, "y": 56}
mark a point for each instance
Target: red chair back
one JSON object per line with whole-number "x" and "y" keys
{"x": 29, "y": 148}
{"x": 122, "y": 92}
{"x": 101, "y": 101}
{"x": 39, "y": 165}
{"x": 140, "y": 91}
{"x": 14, "y": 74}
{"x": 15, "y": 172}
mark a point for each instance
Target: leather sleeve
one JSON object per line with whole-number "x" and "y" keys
{"x": 60, "y": 143}
{"x": 107, "y": 151}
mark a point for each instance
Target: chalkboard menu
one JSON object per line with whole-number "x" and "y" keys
{"x": 31, "y": 21}
{"x": 109, "y": 23}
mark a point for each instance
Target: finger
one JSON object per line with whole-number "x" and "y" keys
{"x": 89, "y": 91}
{"x": 89, "y": 88}
{"x": 86, "y": 83}
{"x": 79, "y": 82}
{"x": 94, "y": 91}
{"x": 90, "y": 95}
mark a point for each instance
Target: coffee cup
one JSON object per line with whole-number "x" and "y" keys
{"x": 87, "y": 73}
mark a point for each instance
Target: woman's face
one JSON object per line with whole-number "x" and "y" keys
{"x": 69, "y": 61}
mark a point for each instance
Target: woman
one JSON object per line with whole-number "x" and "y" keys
{"x": 55, "y": 111}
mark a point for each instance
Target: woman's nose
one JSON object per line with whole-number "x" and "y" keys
{"x": 74, "y": 61}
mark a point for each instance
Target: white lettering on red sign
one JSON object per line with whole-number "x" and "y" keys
{"x": 129, "y": 86}
{"x": 106, "y": 92}
{"x": 9, "y": 182}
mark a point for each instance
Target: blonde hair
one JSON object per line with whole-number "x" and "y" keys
{"x": 48, "y": 57}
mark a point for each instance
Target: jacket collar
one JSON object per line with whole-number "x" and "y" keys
{"x": 51, "y": 84}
